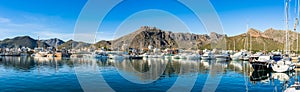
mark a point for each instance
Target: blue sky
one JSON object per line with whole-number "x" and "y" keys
{"x": 57, "y": 18}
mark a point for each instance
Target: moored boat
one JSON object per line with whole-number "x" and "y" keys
{"x": 283, "y": 66}
{"x": 208, "y": 56}
{"x": 262, "y": 63}
{"x": 222, "y": 57}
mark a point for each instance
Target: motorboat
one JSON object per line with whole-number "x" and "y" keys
{"x": 208, "y": 56}
{"x": 245, "y": 57}
{"x": 262, "y": 63}
{"x": 223, "y": 57}
{"x": 242, "y": 55}
{"x": 255, "y": 56}
{"x": 193, "y": 57}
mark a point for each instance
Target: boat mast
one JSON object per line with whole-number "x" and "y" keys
{"x": 287, "y": 26}
{"x": 297, "y": 21}
{"x": 264, "y": 46}
{"x": 234, "y": 45}
{"x": 246, "y": 41}
{"x": 38, "y": 42}
{"x": 295, "y": 25}
{"x": 56, "y": 42}
{"x": 250, "y": 49}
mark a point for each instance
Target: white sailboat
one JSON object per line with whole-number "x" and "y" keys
{"x": 295, "y": 55}
{"x": 285, "y": 64}
{"x": 39, "y": 51}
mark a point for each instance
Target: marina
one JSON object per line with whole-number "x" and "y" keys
{"x": 234, "y": 73}
{"x": 259, "y": 72}
{"x": 150, "y": 46}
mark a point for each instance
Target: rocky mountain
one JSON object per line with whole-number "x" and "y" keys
{"x": 21, "y": 41}
{"x": 26, "y": 41}
{"x": 53, "y": 42}
{"x": 74, "y": 45}
{"x": 158, "y": 38}
{"x": 269, "y": 39}
{"x": 103, "y": 43}
{"x": 276, "y": 35}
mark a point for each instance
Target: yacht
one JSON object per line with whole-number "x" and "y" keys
{"x": 242, "y": 55}
{"x": 262, "y": 63}
{"x": 255, "y": 56}
{"x": 223, "y": 57}
{"x": 193, "y": 57}
{"x": 208, "y": 56}
{"x": 245, "y": 56}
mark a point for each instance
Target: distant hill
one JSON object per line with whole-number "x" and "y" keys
{"x": 53, "y": 42}
{"x": 26, "y": 41}
{"x": 158, "y": 38}
{"x": 74, "y": 45}
{"x": 103, "y": 43}
{"x": 21, "y": 41}
{"x": 269, "y": 39}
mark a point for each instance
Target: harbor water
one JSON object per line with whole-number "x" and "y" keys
{"x": 52, "y": 74}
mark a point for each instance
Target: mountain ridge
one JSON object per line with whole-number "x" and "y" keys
{"x": 145, "y": 36}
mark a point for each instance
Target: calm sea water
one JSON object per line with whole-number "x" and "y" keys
{"x": 76, "y": 75}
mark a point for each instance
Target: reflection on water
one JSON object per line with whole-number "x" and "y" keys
{"x": 56, "y": 74}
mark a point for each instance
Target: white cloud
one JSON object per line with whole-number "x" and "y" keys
{"x": 9, "y": 29}
{"x": 49, "y": 34}
{"x": 105, "y": 36}
{"x": 4, "y": 20}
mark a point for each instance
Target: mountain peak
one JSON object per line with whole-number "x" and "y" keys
{"x": 254, "y": 33}
{"x": 148, "y": 29}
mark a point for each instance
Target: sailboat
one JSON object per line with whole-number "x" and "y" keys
{"x": 296, "y": 86}
{"x": 246, "y": 56}
{"x": 295, "y": 56}
{"x": 285, "y": 64}
{"x": 39, "y": 51}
